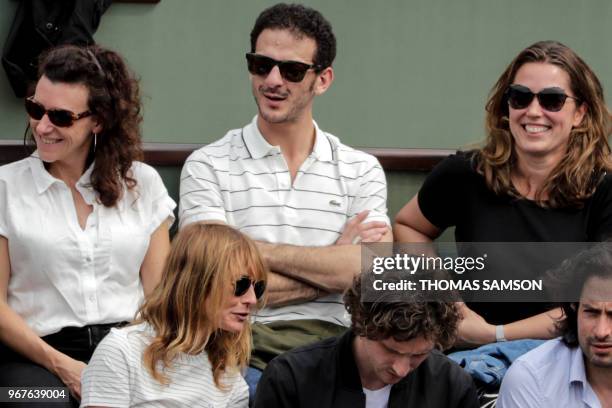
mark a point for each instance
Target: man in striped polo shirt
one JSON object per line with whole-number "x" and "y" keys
{"x": 303, "y": 195}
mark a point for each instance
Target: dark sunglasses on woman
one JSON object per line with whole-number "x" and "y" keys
{"x": 59, "y": 117}
{"x": 292, "y": 71}
{"x": 243, "y": 284}
{"x": 551, "y": 99}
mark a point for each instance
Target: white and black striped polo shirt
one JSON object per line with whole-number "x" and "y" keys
{"x": 245, "y": 182}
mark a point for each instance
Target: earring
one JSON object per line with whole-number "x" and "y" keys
{"x": 95, "y": 141}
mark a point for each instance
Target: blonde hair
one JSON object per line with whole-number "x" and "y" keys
{"x": 203, "y": 264}
{"x": 577, "y": 175}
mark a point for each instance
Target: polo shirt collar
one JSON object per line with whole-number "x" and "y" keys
{"x": 259, "y": 147}
{"x": 577, "y": 375}
{"x": 322, "y": 150}
{"x": 43, "y": 180}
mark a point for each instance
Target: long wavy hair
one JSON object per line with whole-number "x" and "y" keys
{"x": 576, "y": 176}
{"x": 114, "y": 100}
{"x": 204, "y": 262}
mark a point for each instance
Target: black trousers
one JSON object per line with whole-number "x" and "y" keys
{"x": 18, "y": 371}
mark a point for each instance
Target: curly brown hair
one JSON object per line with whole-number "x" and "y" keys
{"x": 403, "y": 321}
{"x": 114, "y": 99}
{"x": 576, "y": 176}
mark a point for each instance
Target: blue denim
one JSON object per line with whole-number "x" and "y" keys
{"x": 252, "y": 377}
{"x": 488, "y": 364}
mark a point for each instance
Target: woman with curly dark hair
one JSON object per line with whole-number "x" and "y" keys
{"x": 542, "y": 175}
{"x": 83, "y": 223}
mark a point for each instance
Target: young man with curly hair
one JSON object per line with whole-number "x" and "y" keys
{"x": 390, "y": 357}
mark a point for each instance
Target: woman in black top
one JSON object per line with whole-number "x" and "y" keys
{"x": 542, "y": 175}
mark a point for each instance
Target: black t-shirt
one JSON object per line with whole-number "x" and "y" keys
{"x": 455, "y": 194}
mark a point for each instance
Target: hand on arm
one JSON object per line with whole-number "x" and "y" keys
{"x": 329, "y": 268}
{"x": 16, "y": 334}
{"x": 69, "y": 371}
{"x": 356, "y": 230}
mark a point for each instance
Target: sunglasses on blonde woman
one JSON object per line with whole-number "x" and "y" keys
{"x": 242, "y": 285}
{"x": 59, "y": 117}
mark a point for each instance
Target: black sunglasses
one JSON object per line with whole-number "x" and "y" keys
{"x": 59, "y": 117}
{"x": 292, "y": 71}
{"x": 243, "y": 284}
{"x": 551, "y": 99}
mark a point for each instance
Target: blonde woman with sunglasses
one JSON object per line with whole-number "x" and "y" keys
{"x": 192, "y": 335}
{"x": 83, "y": 223}
{"x": 542, "y": 175}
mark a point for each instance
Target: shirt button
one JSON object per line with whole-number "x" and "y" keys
{"x": 88, "y": 258}
{"x": 91, "y": 298}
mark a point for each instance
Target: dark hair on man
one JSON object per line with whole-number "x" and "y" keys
{"x": 301, "y": 21}
{"x": 403, "y": 321}
{"x": 569, "y": 280}
{"x": 114, "y": 99}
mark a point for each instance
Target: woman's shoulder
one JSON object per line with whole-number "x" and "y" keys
{"x": 466, "y": 159}
{"x": 603, "y": 189}
{"x": 458, "y": 164}
{"x": 129, "y": 339}
{"x": 148, "y": 180}
{"x": 606, "y": 180}
{"x": 15, "y": 169}
{"x": 602, "y": 197}
{"x": 143, "y": 171}
{"x": 120, "y": 349}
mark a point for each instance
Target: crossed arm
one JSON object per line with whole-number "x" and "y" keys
{"x": 298, "y": 274}
{"x": 305, "y": 273}
{"x": 412, "y": 226}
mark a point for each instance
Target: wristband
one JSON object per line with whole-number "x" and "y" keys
{"x": 499, "y": 333}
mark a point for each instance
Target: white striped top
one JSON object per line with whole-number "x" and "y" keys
{"x": 245, "y": 182}
{"x": 116, "y": 377}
